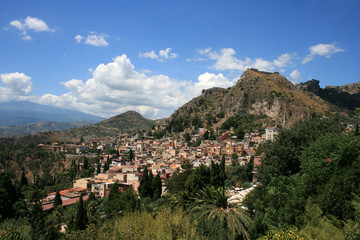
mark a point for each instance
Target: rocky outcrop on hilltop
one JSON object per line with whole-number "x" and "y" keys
{"x": 258, "y": 93}
{"x": 346, "y": 98}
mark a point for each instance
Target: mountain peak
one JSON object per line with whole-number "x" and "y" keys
{"x": 259, "y": 93}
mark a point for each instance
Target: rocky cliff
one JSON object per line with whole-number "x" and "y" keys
{"x": 258, "y": 93}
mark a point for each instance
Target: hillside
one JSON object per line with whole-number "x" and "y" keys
{"x": 258, "y": 93}
{"x": 24, "y": 112}
{"x": 129, "y": 122}
{"x": 35, "y": 128}
{"x": 346, "y": 98}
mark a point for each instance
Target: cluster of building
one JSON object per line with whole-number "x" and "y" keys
{"x": 164, "y": 157}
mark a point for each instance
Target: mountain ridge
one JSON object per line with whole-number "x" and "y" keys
{"x": 257, "y": 93}
{"x": 23, "y": 112}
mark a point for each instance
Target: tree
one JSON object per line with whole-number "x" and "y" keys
{"x": 105, "y": 167}
{"x": 150, "y": 185}
{"x": 114, "y": 192}
{"x": 85, "y": 164}
{"x": 199, "y": 178}
{"x": 234, "y": 159}
{"x": 98, "y": 168}
{"x": 81, "y": 215}
{"x": 216, "y": 176}
{"x": 145, "y": 185}
{"x": 157, "y": 187}
{"x": 36, "y": 220}
{"x": 206, "y": 135}
{"x": 8, "y": 196}
{"x": 282, "y": 157}
{"x": 57, "y": 200}
{"x": 187, "y": 137}
{"x": 23, "y": 179}
{"x": 212, "y": 207}
{"x": 131, "y": 155}
{"x": 357, "y": 130}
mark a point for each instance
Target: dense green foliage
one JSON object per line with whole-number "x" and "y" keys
{"x": 309, "y": 180}
{"x": 309, "y": 189}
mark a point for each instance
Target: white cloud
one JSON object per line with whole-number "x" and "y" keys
{"x": 295, "y": 75}
{"x": 30, "y": 24}
{"x": 263, "y": 65}
{"x": 27, "y": 37}
{"x": 324, "y": 50}
{"x": 204, "y": 51}
{"x": 36, "y": 24}
{"x": 161, "y": 56}
{"x": 93, "y": 39}
{"x": 96, "y": 40}
{"x": 16, "y": 86}
{"x": 226, "y": 60}
{"x": 150, "y": 54}
{"x": 283, "y": 60}
{"x": 116, "y": 87}
{"x": 17, "y": 24}
{"x": 209, "y": 80}
{"x": 78, "y": 38}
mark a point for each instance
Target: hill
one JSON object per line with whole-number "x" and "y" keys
{"x": 24, "y": 112}
{"x": 346, "y": 98}
{"x": 269, "y": 96}
{"x": 35, "y": 128}
{"x": 129, "y": 122}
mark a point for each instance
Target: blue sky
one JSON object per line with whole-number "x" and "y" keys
{"x": 107, "y": 57}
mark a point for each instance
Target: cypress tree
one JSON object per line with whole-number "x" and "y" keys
{"x": 98, "y": 168}
{"x": 131, "y": 155}
{"x": 91, "y": 197}
{"x": 222, "y": 171}
{"x": 86, "y": 164}
{"x": 150, "y": 185}
{"x": 215, "y": 179}
{"x": 357, "y": 130}
{"x": 81, "y": 215}
{"x": 57, "y": 200}
{"x": 114, "y": 192}
{"x": 157, "y": 187}
{"x": 23, "y": 179}
{"x": 144, "y": 182}
{"x": 37, "y": 222}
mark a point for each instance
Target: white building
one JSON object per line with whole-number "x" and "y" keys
{"x": 270, "y": 133}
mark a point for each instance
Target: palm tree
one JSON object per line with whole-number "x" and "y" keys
{"x": 213, "y": 207}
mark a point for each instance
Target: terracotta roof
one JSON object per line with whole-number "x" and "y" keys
{"x": 65, "y": 203}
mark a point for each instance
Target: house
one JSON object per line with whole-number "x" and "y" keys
{"x": 270, "y": 133}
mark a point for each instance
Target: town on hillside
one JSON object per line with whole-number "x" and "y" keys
{"x": 123, "y": 159}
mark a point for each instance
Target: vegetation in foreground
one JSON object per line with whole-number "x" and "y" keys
{"x": 309, "y": 190}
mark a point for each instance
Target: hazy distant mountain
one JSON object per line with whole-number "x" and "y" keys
{"x": 35, "y": 128}
{"x": 24, "y": 112}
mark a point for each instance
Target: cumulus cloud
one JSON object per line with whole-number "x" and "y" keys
{"x": 283, "y": 60}
{"x": 161, "y": 56}
{"x": 209, "y": 80}
{"x": 226, "y": 60}
{"x": 94, "y": 39}
{"x": 116, "y": 87}
{"x": 324, "y": 50}
{"x": 295, "y": 75}
{"x": 30, "y": 24}
{"x": 16, "y": 86}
